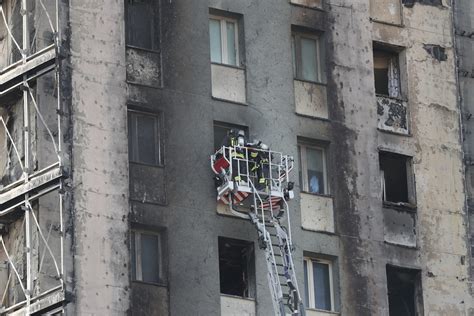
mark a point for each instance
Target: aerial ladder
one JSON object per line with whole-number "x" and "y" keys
{"x": 266, "y": 207}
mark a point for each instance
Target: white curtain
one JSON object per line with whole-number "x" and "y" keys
{"x": 393, "y": 78}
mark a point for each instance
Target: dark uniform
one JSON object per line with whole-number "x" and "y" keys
{"x": 258, "y": 156}
{"x": 263, "y": 171}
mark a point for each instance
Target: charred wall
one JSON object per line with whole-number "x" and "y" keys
{"x": 464, "y": 30}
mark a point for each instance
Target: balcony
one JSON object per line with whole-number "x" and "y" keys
{"x": 392, "y": 115}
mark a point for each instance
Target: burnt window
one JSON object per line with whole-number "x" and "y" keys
{"x": 144, "y": 138}
{"x": 236, "y": 267}
{"x": 221, "y": 129}
{"x": 396, "y": 177}
{"x": 142, "y": 23}
{"x": 404, "y": 291}
{"x": 387, "y": 73}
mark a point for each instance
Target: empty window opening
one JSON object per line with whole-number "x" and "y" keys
{"x": 404, "y": 291}
{"x": 224, "y": 40}
{"x": 386, "y": 73}
{"x": 144, "y": 138}
{"x": 220, "y": 132}
{"x": 236, "y": 267}
{"x": 142, "y": 23}
{"x": 318, "y": 284}
{"x": 313, "y": 170}
{"x": 396, "y": 178}
{"x": 147, "y": 254}
{"x": 308, "y": 57}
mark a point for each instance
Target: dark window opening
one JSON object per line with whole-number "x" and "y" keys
{"x": 386, "y": 73}
{"x": 236, "y": 267}
{"x": 394, "y": 169}
{"x": 220, "y": 132}
{"x": 404, "y": 291}
{"x": 142, "y": 23}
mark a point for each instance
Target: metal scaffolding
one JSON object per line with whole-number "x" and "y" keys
{"x": 20, "y": 200}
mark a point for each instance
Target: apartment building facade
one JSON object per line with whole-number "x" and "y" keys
{"x": 135, "y": 97}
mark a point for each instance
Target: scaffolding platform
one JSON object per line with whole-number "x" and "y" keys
{"x": 35, "y": 65}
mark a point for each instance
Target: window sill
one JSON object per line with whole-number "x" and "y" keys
{"x": 402, "y": 206}
{"x": 389, "y": 97}
{"x": 229, "y": 101}
{"x": 239, "y": 297}
{"x": 227, "y": 65}
{"x": 143, "y": 85}
{"x": 401, "y": 25}
{"x": 150, "y": 50}
{"x": 401, "y": 245}
{"x": 313, "y": 117}
{"x": 308, "y": 7}
{"x": 161, "y": 166}
{"x": 324, "y": 232}
{"x": 394, "y": 133}
{"x": 322, "y": 311}
{"x": 318, "y": 194}
{"x": 310, "y": 81}
{"x": 160, "y": 284}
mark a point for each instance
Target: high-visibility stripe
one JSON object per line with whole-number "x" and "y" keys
{"x": 237, "y": 198}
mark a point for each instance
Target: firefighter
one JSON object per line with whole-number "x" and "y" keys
{"x": 236, "y": 141}
{"x": 230, "y": 140}
{"x": 254, "y": 153}
{"x": 258, "y": 161}
{"x": 263, "y": 169}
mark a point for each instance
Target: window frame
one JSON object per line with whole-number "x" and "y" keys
{"x": 416, "y": 274}
{"x": 310, "y": 280}
{"x": 223, "y": 30}
{"x": 138, "y": 275}
{"x": 396, "y": 53}
{"x": 156, "y": 32}
{"x": 251, "y": 276}
{"x": 297, "y": 59}
{"x": 304, "y": 185}
{"x": 158, "y": 124}
{"x": 410, "y": 185}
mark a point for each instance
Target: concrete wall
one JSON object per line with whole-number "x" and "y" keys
{"x": 179, "y": 199}
{"x": 189, "y": 212}
{"x": 99, "y": 158}
{"x": 437, "y": 156}
{"x": 190, "y": 209}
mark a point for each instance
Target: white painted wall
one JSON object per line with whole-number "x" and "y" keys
{"x": 228, "y": 83}
{"x": 317, "y": 212}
